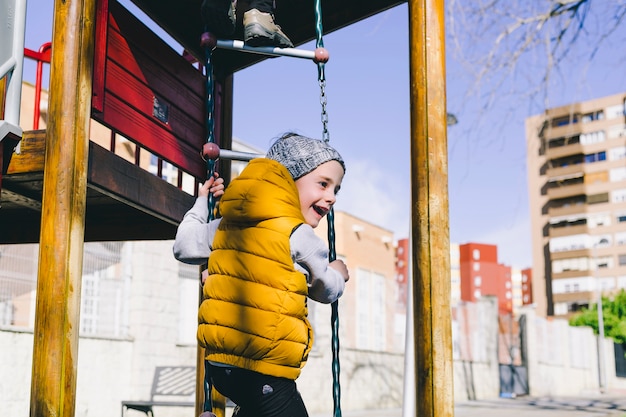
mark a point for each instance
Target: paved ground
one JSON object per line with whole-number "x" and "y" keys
{"x": 589, "y": 406}
{"x": 593, "y": 406}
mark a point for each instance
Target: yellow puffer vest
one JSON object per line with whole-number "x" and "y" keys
{"x": 254, "y": 313}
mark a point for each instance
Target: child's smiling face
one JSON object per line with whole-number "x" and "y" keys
{"x": 318, "y": 191}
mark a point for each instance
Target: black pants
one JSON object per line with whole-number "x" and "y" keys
{"x": 258, "y": 395}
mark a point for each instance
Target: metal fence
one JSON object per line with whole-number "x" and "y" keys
{"x": 105, "y": 287}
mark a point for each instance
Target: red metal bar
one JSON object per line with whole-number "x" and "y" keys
{"x": 42, "y": 56}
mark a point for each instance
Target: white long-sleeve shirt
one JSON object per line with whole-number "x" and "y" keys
{"x": 308, "y": 252}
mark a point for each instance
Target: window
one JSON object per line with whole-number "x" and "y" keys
{"x": 613, "y": 112}
{"x": 595, "y": 157}
{"x": 622, "y": 260}
{"x": 618, "y": 196}
{"x": 560, "y": 309}
{"x": 188, "y": 281}
{"x": 596, "y": 177}
{"x": 592, "y": 116}
{"x": 564, "y": 141}
{"x": 476, "y": 254}
{"x": 599, "y": 219}
{"x": 615, "y": 132}
{"x": 602, "y": 241}
{"x": 564, "y": 286}
{"x": 567, "y": 243}
{"x": 564, "y": 120}
{"x": 603, "y": 262}
{"x": 617, "y": 174}
{"x": 104, "y": 292}
{"x": 598, "y": 198}
{"x": 477, "y": 281}
{"x": 592, "y": 137}
{"x": 570, "y": 264}
{"x": 476, "y": 266}
{"x": 566, "y": 221}
{"x": 371, "y": 313}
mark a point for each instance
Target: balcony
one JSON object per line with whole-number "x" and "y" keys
{"x": 566, "y": 191}
{"x": 565, "y": 172}
{"x": 568, "y": 230}
{"x": 565, "y": 150}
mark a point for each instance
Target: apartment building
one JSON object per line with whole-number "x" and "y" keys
{"x": 474, "y": 272}
{"x": 577, "y": 192}
{"x": 482, "y": 275}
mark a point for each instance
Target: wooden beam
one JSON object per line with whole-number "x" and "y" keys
{"x": 55, "y": 346}
{"x": 430, "y": 223}
{"x": 32, "y": 154}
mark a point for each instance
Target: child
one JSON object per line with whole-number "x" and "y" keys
{"x": 258, "y": 22}
{"x": 264, "y": 260}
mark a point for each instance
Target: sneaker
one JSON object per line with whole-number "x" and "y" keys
{"x": 260, "y": 30}
{"x": 219, "y": 17}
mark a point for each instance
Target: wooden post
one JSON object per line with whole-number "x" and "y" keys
{"x": 55, "y": 350}
{"x": 429, "y": 214}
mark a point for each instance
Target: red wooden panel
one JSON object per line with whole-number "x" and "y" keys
{"x": 99, "y": 60}
{"x": 152, "y": 95}
{"x": 180, "y": 123}
{"x": 135, "y": 125}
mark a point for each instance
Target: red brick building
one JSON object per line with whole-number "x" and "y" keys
{"x": 481, "y": 275}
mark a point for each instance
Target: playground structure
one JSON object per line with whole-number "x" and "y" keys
{"x": 60, "y": 189}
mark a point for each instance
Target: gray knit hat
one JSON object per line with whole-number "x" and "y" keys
{"x": 301, "y": 155}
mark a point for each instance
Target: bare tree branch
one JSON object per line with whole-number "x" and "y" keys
{"x": 498, "y": 41}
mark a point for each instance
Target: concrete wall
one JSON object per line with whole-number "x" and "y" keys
{"x": 562, "y": 360}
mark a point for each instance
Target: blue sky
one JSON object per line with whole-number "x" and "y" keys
{"x": 368, "y": 106}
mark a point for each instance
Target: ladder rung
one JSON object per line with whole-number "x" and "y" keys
{"x": 239, "y": 156}
{"x": 265, "y": 50}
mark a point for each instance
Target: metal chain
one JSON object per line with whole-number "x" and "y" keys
{"x": 321, "y": 76}
{"x": 324, "y": 117}
{"x": 210, "y": 121}
{"x": 334, "y": 317}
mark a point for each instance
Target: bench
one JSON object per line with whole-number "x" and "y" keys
{"x": 173, "y": 386}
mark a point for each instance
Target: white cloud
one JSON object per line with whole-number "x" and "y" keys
{"x": 377, "y": 195}
{"x": 514, "y": 244}
{"x": 382, "y": 197}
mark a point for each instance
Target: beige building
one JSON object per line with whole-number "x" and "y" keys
{"x": 577, "y": 189}
{"x": 370, "y": 318}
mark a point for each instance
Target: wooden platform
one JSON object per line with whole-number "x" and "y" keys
{"x": 124, "y": 202}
